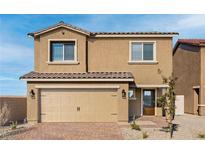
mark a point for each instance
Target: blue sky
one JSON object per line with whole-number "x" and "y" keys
{"x": 16, "y": 49}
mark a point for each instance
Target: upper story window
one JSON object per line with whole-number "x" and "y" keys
{"x": 63, "y": 51}
{"x": 142, "y": 51}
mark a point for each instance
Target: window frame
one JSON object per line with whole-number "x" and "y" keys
{"x": 142, "y": 61}
{"x": 75, "y": 61}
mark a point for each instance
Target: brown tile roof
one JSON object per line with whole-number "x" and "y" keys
{"x": 195, "y": 42}
{"x": 134, "y": 33}
{"x": 61, "y": 23}
{"x": 88, "y": 75}
{"x": 99, "y": 33}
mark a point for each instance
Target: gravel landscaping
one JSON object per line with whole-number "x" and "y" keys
{"x": 6, "y": 131}
{"x": 188, "y": 128}
{"x": 70, "y": 131}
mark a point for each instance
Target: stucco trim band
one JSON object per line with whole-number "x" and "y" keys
{"x": 152, "y": 86}
{"x": 196, "y": 87}
{"x": 201, "y": 105}
{"x": 71, "y": 80}
{"x": 77, "y": 87}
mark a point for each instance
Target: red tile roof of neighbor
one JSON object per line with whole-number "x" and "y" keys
{"x": 86, "y": 75}
{"x": 192, "y": 41}
{"x": 195, "y": 42}
{"x": 62, "y": 24}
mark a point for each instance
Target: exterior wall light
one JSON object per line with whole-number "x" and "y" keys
{"x": 123, "y": 93}
{"x": 32, "y": 93}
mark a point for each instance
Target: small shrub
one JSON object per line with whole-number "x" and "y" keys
{"x": 135, "y": 127}
{"x": 13, "y": 124}
{"x": 145, "y": 135}
{"x": 201, "y": 135}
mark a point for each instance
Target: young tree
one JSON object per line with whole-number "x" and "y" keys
{"x": 4, "y": 113}
{"x": 167, "y": 101}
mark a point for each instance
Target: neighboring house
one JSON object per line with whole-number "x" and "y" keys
{"x": 189, "y": 68}
{"x": 82, "y": 76}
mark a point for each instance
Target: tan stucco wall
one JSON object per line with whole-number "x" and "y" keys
{"x": 41, "y": 51}
{"x": 16, "y": 107}
{"x": 202, "y": 85}
{"x": 105, "y": 54}
{"x": 33, "y": 114}
{"x": 32, "y": 104}
{"x": 112, "y": 54}
{"x": 186, "y": 67}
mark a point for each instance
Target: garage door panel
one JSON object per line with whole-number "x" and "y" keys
{"x": 79, "y": 105}
{"x": 49, "y": 110}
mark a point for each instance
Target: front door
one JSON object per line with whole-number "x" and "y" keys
{"x": 148, "y": 102}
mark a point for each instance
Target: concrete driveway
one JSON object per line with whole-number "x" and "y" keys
{"x": 70, "y": 131}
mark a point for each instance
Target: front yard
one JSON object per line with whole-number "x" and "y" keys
{"x": 188, "y": 127}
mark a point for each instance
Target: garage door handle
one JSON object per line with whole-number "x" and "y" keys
{"x": 113, "y": 113}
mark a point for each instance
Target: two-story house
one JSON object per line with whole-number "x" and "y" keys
{"x": 189, "y": 67}
{"x": 82, "y": 76}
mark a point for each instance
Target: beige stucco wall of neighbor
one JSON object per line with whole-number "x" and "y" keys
{"x": 33, "y": 114}
{"x": 41, "y": 45}
{"x": 186, "y": 67}
{"x": 202, "y": 85}
{"x": 16, "y": 107}
{"x": 112, "y": 54}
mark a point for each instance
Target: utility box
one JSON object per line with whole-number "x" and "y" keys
{"x": 179, "y": 103}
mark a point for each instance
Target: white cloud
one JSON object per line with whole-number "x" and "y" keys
{"x": 188, "y": 22}
{"x": 4, "y": 78}
{"x": 10, "y": 52}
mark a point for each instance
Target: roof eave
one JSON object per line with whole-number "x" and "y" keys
{"x": 175, "y": 47}
{"x": 79, "y": 80}
{"x": 193, "y": 44}
{"x": 134, "y": 35}
{"x": 34, "y": 34}
{"x": 30, "y": 34}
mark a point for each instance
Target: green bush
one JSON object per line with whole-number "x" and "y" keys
{"x": 13, "y": 124}
{"x": 145, "y": 135}
{"x": 135, "y": 127}
{"x": 201, "y": 135}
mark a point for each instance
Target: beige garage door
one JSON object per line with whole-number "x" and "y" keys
{"x": 78, "y": 105}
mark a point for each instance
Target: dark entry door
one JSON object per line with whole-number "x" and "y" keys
{"x": 148, "y": 102}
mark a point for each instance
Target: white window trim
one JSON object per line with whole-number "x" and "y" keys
{"x": 75, "y": 61}
{"x": 142, "y": 61}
